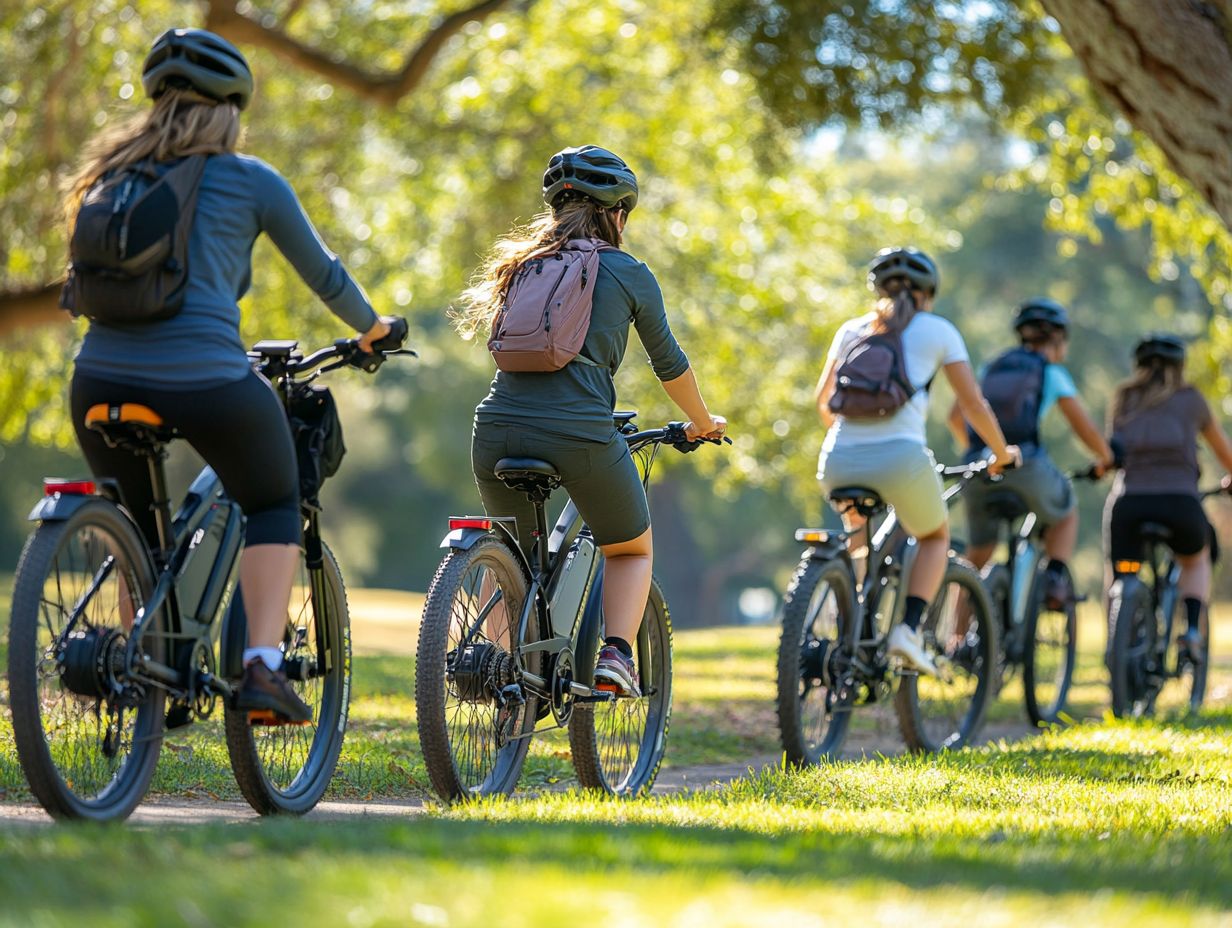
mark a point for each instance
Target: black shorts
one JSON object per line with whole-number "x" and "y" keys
{"x": 239, "y": 428}
{"x": 1181, "y": 514}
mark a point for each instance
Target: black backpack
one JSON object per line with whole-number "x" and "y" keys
{"x": 129, "y": 248}
{"x": 871, "y": 382}
{"x": 1013, "y": 384}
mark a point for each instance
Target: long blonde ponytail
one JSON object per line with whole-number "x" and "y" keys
{"x": 180, "y": 123}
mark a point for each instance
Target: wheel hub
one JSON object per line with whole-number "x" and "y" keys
{"x": 815, "y": 660}
{"x": 91, "y": 660}
{"x": 480, "y": 671}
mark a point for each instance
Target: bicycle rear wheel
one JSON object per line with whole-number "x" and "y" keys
{"x": 285, "y": 769}
{"x": 87, "y": 737}
{"x": 818, "y": 618}
{"x": 1050, "y": 639}
{"x": 1132, "y": 641}
{"x": 618, "y": 745}
{"x": 473, "y": 733}
{"x": 960, "y": 633}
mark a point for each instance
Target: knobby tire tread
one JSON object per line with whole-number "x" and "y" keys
{"x": 41, "y": 774}
{"x": 242, "y": 748}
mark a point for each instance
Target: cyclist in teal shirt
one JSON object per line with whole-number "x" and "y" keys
{"x": 1022, "y": 386}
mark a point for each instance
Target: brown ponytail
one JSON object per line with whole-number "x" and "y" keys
{"x": 897, "y": 308}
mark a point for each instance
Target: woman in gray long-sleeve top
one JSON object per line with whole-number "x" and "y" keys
{"x": 192, "y": 369}
{"x": 565, "y": 416}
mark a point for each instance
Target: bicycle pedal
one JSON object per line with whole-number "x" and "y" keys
{"x": 178, "y": 716}
{"x": 267, "y": 718}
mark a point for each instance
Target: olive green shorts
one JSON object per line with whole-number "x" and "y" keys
{"x": 600, "y": 477}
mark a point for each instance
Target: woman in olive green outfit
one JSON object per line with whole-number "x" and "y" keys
{"x": 565, "y": 416}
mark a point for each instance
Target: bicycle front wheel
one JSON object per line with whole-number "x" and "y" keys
{"x": 946, "y": 712}
{"x": 88, "y": 738}
{"x": 285, "y": 769}
{"x": 1050, "y": 637}
{"x": 475, "y": 720}
{"x": 618, "y": 745}
{"x": 814, "y": 651}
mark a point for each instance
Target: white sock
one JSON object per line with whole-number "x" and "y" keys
{"x": 270, "y": 657}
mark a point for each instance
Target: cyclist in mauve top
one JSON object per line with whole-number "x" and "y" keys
{"x": 192, "y": 369}
{"x": 1156, "y": 419}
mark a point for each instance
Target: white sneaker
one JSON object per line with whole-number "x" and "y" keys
{"x": 907, "y": 644}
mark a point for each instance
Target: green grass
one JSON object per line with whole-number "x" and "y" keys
{"x": 1101, "y": 823}
{"x": 1095, "y": 825}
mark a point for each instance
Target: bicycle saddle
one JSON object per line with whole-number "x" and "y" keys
{"x": 862, "y": 499}
{"x": 1006, "y": 505}
{"x": 1155, "y": 533}
{"x": 129, "y": 425}
{"x": 529, "y": 475}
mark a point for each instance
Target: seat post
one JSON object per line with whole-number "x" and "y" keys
{"x": 541, "y": 529}
{"x": 162, "y": 502}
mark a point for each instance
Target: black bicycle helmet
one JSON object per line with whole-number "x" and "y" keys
{"x": 199, "y": 60}
{"x": 1041, "y": 311}
{"x": 1159, "y": 345}
{"x": 909, "y": 263}
{"x": 592, "y": 172}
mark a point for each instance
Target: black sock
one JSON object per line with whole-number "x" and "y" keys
{"x": 1193, "y": 613}
{"x": 1055, "y": 567}
{"x": 620, "y": 645}
{"x": 914, "y": 612}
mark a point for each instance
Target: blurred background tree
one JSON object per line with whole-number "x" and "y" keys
{"x": 779, "y": 145}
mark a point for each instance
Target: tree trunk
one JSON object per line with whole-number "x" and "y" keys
{"x": 23, "y": 309}
{"x": 1167, "y": 65}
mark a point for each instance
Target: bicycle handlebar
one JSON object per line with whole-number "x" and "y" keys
{"x": 671, "y": 434}
{"x": 276, "y": 359}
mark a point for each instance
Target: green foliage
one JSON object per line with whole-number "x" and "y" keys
{"x": 881, "y": 63}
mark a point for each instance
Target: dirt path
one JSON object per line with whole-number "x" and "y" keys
{"x": 177, "y": 811}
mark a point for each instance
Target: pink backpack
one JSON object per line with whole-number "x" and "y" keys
{"x": 547, "y": 310}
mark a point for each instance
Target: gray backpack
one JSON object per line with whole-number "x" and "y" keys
{"x": 871, "y": 382}
{"x": 129, "y": 248}
{"x": 547, "y": 310}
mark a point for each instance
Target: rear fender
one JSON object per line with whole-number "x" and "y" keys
{"x": 59, "y": 507}
{"x": 822, "y": 545}
{"x": 463, "y": 539}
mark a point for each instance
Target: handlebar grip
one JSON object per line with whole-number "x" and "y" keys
{"x": 396, "y": 336}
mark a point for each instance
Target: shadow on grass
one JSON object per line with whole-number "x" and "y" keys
{"x": 209, "y": 866}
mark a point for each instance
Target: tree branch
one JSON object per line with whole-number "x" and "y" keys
{"x": 384, "y": 89}
{"x": 29, "y": 307}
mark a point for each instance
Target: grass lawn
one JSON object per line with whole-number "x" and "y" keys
{"x": 1100, "y": 823}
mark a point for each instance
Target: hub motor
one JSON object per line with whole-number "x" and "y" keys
{"x": 91, "y": 660}
{"x": 480, "y": 671}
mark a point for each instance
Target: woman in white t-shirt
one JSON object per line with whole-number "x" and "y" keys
{"x": 890, "y": 455}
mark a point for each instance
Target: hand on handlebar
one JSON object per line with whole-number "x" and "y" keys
{"x": 386, "y": 334}
{"x": 713, "y": 430}
{"x": 997, "y": 465}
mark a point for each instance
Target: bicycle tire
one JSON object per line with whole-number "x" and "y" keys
{"x": 918, "y": 699}
{"x": 286, "y": 769}
{"x": 996, "y": 579}
{"x": 598, "y": 758}
{"x": 1131, "y": 639}
{"x": 69, "y": 792}
{"x": 1050, "y": 637}
{"x": 802, "y": 609}
{"x": 452, "y": 754}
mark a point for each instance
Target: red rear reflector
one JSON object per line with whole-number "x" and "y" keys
{"x": 52, "y": 486}
{"x": 457, "y": 522}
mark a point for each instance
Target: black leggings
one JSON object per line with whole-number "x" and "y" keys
{"x": 241, "y": 431}
{"x": 1181, "y": 514}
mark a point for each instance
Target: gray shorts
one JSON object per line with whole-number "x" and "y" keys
{"x": 1044, "y": 490}
{"x": 902, "y": 472}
